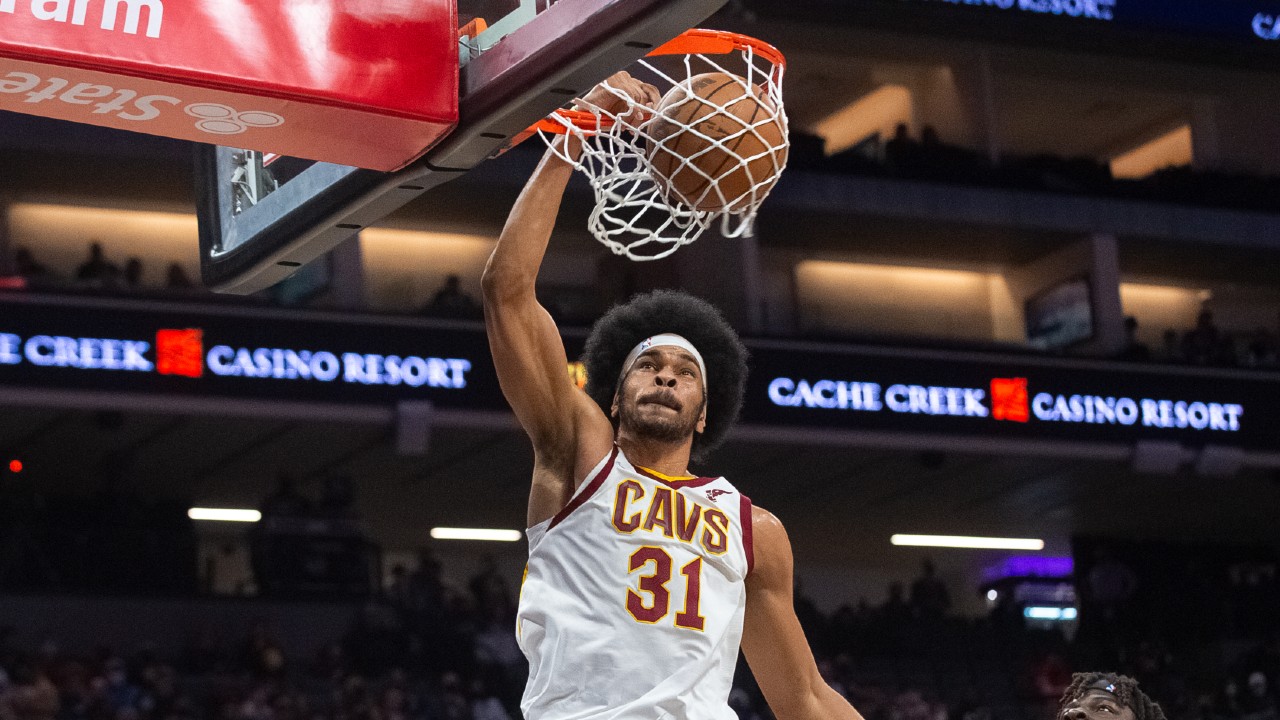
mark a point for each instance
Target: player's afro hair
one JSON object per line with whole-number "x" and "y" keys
{"x": 1126, "y": 692}
{"x": 665, "y": 311}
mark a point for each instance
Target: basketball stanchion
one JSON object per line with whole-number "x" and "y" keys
{"x": 709, "y": 153}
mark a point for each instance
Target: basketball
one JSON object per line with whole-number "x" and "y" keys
{"x": 712, "y": 139}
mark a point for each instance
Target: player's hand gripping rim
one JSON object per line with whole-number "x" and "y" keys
{"x": 620, "y": 98}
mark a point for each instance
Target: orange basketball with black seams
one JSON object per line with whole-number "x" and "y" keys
{"x": 716, "y": 131}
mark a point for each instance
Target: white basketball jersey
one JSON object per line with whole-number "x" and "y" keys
{"x": 633, "y": 599}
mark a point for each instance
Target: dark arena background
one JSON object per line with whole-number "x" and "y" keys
{"x": 1014, "y": 318}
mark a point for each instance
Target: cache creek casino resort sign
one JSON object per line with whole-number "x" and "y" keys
{"x": 246, "y": 352}
{"x": 268, "y": 354}
{"x": 1011, "y": 396}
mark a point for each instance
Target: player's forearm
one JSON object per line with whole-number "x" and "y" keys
{"x": 833, "y": 706}
{"x": 820, "y": 702}
{"x": 513, "y": 266}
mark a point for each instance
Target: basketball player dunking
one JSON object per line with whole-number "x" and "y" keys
{"x": 643, "y": 579}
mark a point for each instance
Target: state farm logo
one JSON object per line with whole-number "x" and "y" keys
{"x": 224, "y": 120}
{"x": 62, "y": 11}
{"x": 94, "y": 99}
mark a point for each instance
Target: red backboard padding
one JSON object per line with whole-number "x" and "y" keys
{"x": 370, "y": 83}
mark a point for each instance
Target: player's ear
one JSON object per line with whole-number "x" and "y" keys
{"x": 701, "y": 427}
{"x": 613, "y": 407}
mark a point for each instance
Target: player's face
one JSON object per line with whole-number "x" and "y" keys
{"x": 1096, "y": 704}
{"x": 661, "y": 397}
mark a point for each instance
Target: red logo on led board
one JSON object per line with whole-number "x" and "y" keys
{"x": 180, "y": 352}
{"x": 1009, "y": 399}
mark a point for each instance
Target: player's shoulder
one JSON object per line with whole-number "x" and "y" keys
{"x": 771, "y": 550}
{"x": 766, "y": 526}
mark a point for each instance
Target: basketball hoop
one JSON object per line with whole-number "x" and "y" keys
{"x": 652, "y": 195}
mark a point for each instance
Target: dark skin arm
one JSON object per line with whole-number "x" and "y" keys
{"x": 772, "y": 638}
{"x": 569, "y": 431}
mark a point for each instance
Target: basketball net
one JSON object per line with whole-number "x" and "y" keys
{"x": 636, "y": 214}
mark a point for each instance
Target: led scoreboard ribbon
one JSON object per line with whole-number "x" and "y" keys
{"x": 1255, "y": 22}
{"x": 272, "y": 355}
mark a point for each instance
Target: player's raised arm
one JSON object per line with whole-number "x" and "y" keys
{"x": 773, "y": 640}
{"x": 568, "y": 430}
{"x": 526, "y": 346}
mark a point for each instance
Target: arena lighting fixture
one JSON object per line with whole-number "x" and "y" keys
{"x": 444, "y": 533}
{"x": 224, "y": 514}
{"x": 1049, "y": 613}
{"x": 1172, "y": 149}
{"x": 960, "y": 541}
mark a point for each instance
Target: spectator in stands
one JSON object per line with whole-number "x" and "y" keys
{"x": 1257, "y": 702}
{"x": 257, "y": 706}
{"x": 1265, "y": 658}
{"x": 1133, "y": 349}
{"x": 935, "y": 158}
{"x": 1170, "y": 347}
{"x": 426, "y": 588}
{"x": 262, "y": 654}
{"x": 484, "y": 704}
{"x": 910, "y": 704}
{"x": 176, "y": 278}
{"x": 489, "y": 587}
{"x": 26, "y": 266}
{"x": 740, "y": 703}
{"x": 451, "y": 301}
{"x": 496, "y": 648}
{"x": 848, "y": 625}
{"x": 160, "y": 683}
{"x": 929, "y": 597}
{"x": 97, "y": 271}
{"x": 895, "y": 610}
{"x": 902, "y": 152}
{"x": 1262, "y": 349}
{"x": 31, "y": 695}
{"x": 453, "y": 702}
{"x": 132, "y": 276}
{"x": 811, "y": 619}
{"x": 121, "y": 692}
{"x": 1226, "y": 705}
{"x": 1201, "y": 344}
{"x": 398, "y": 592}
{"x": 1106, "y": 696}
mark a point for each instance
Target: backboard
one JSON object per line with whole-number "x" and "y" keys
{"x": 263, "y": 216}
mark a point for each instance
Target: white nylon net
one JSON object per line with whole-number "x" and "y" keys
{"x": 653, "y": 195}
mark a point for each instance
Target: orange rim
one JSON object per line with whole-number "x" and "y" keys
{"x": 584, "y": 120}
{"x": 718, "y": 42}
{"x": 691, "y": 42}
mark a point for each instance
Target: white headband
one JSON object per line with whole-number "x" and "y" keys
{"x": 664, "y": 340}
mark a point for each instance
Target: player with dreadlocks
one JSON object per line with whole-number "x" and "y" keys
{"x": 1106, "y": 696}
{"x": 643, "y": 577}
